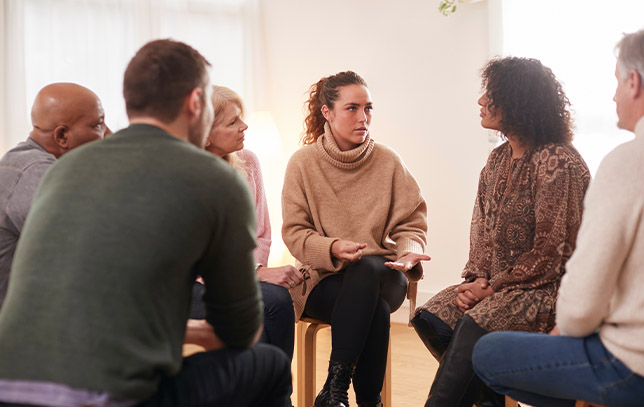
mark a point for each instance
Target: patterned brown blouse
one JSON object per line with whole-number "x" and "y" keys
{"x": 525, "y": 222}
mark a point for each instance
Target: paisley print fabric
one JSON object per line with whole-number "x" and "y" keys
{"x": 525, "y": 222}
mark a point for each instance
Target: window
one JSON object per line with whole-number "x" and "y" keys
{"x": 576, "y": 39}
{"x": 90, "y": 42}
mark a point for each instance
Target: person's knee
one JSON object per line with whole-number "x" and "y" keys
{"x": 272, "y": 357}
{"x": 368, "y": 267}
{"x": 485, "y": 355}
{"x": 278, "y": 301}
{"x": 420, "y": 323}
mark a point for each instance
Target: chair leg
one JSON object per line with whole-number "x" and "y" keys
{"x": 300, "y": 331}
{"x": 306, "y": 351}
{"x": 386, "y": 386}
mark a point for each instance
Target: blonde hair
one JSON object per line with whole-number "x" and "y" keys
{"x": 221, "y": 97}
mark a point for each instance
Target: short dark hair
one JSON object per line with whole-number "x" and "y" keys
{"x": 160, "y": 76}
{"x": 532, "y": 102}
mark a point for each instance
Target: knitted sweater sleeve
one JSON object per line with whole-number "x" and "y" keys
{"x": 299, "y": 233}
{"x": 408, "y": 222}
{"x": 232, "y": 298}
{"x": 256, "y": 182}
{"x": 612, "y": 216}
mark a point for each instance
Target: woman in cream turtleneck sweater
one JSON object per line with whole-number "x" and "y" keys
{"x": 355, "y": 220}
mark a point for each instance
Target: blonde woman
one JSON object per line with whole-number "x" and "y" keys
{"x": 226, "y": 140}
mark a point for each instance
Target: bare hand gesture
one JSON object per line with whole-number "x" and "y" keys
{"x": 286, "y": 276}
{"x": 407, "y": 262}
{"x": 346, "y": 250}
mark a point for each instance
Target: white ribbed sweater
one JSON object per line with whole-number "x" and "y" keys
{"x": 604, "y": 281}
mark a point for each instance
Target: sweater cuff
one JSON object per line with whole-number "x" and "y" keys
{"x": 406, "y": 246}
{"x": 319, "y": 253}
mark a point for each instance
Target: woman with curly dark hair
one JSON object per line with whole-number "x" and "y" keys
{"x": 526, "y": 216}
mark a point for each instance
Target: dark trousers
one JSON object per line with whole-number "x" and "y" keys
{"x": 455, "y": 383}
{"x": 259, "y": 376}
{"x": 256, "y": 377}
{"x": 356, "y": 303}
{"x": 279, "y": 317}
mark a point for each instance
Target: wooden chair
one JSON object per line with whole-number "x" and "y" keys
{"x": 306, "y": 332}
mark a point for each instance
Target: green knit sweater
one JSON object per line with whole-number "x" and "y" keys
{"x": 101, "y": 284}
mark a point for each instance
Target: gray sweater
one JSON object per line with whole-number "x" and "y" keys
{"x": 101, "y": 282}
{"x": 21, "y": 170}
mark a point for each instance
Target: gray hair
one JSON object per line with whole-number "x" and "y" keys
{"x": 630, "y": 54}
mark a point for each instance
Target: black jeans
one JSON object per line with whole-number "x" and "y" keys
{"x": 279, "y": 317}
{"x": 357, "y": 302}
{"x": 259, "y": 376}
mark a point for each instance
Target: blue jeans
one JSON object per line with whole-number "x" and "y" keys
{"x": 553, "y": 371}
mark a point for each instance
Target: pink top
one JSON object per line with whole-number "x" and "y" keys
{"x": 256, "y": 183}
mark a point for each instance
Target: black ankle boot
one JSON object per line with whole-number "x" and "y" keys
{"x": 335, "y": 390}
{"x": 456, "y": 384}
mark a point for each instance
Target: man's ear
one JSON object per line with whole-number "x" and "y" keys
{"x": 60, "y": 137}
{"x": 635, "y": 81}
{"x": 195, "y": 105}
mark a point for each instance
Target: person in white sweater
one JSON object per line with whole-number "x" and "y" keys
{"x": 596, "y": 351}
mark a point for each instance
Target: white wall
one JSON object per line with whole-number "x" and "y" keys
{"x": 423, "y": 73}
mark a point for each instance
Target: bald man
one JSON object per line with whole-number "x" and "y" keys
{"x": 64, "y": 116}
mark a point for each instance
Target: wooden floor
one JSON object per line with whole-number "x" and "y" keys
{"x": 412, "y": 372}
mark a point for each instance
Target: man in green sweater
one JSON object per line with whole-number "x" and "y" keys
{"x": 119, "y": 229}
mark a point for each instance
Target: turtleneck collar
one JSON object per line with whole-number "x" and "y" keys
{"x": 639, "y": 127}
{"x": 329, "y": 151}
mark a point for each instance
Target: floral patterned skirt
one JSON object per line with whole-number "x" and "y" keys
{"x": 531, "y": 310}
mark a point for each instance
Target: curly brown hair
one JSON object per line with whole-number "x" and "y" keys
{"x": 325, "y": 92}
{"x": 534, "y": 108}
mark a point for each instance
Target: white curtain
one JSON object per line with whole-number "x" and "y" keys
{"x": 91, "y": 41}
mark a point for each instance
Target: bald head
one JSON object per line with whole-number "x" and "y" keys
{"x": 65, "y": 116}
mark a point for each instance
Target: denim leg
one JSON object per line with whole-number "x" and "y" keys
{"x": 279, "y": 318}
{"x": 553, "y": 371}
